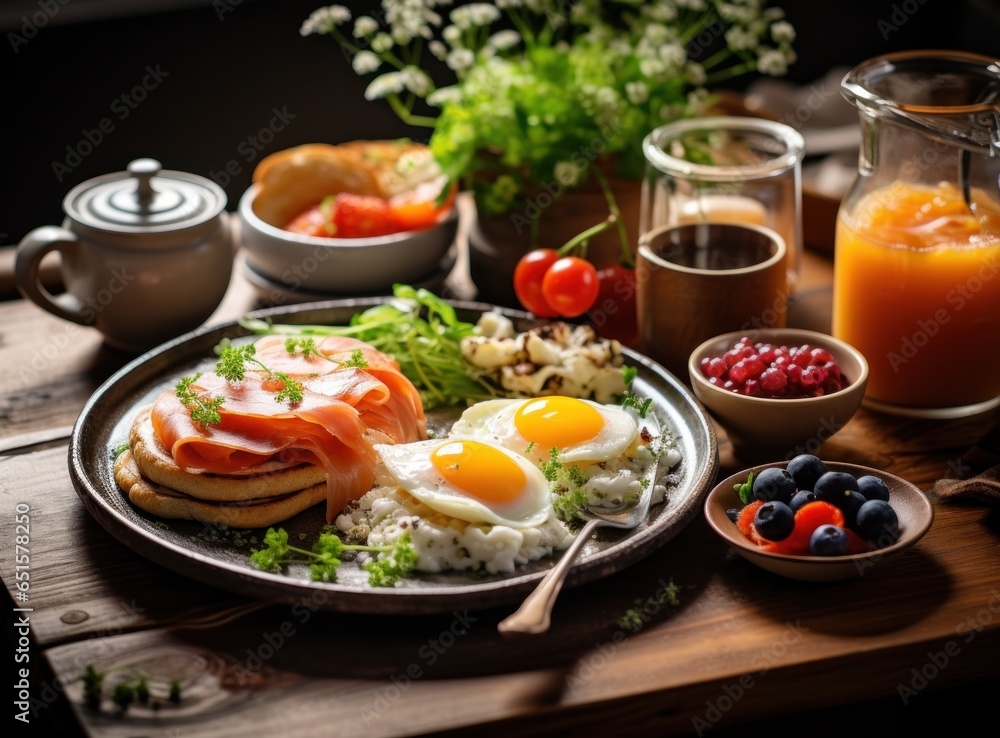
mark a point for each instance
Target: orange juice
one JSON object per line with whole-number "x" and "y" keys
{"x": 917, "y": 291}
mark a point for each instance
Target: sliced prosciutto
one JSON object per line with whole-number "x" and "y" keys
{"x": 343, "y": 413}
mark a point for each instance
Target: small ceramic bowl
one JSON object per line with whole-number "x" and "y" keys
{"x": 346, "y": 266}
{"x": 912, "y": 507}
{"x": 761, "y": 428}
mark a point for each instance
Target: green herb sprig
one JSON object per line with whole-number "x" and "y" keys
{"x": 421, "y": 332}
{"x": 204, "y": 409}
{"x": 745, "y": 490}
{"x": 136, "y": 688}
{"x": 234, "y": 361}
{"x": 326, "y": 555}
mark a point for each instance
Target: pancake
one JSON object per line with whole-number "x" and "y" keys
{"x": 164, "y": 502}
{"x": 272, "y": 479}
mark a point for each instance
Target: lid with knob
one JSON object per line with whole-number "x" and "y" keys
{"x": 145, "y": 199}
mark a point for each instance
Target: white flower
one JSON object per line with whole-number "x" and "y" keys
{"x": 740, "y": 39}
{"x": 772, "y": 62}
{"x": 365, "y": 26}
{"x": 505, "y": 4}
{"x": 381, "y": 43}
{"x": 673, "y": 54}
{"x": 567, "y": 173}
{"x": 697, "y": 5}
{"x": 438, "y": 49}
{"x": 503, "y": 40}
{"x": 410, "y": 19}
{"x": 365, "y": 62}
{"x": 637, "y": 92}
{"x": 444, "y": 95}
{"x": 391, "y": 83}
{"x": 474, "y": 15}
{"x": 783, "y": 32}
{"x": 694, "y": 73}
{"x": 322, "y": 19}
{"x": 460, "y": 59}
{"x": 652, "y": 67}
{"x": 452, "y": 34}
{"x": 416, "y": 81}
{"x": 660, "y": 12}
{"x": 735, "y": 13}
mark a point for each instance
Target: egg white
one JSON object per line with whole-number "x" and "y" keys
{"x": 493, "y": 421}
{"x": 410, "y": 466}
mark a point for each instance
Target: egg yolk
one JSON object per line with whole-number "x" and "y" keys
{"x": 558, "y": 421}
{"x": 481, "y": 470}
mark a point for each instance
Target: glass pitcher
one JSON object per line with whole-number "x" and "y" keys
{"x": 917, "y": 252}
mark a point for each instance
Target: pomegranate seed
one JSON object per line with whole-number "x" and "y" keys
{"x": 766, "y": 370}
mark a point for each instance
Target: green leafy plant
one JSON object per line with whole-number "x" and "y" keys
{"x": 543, "y": 93}
{"x": 125, "y": 685}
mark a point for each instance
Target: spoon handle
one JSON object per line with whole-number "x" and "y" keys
{"x": 534, "y": 615}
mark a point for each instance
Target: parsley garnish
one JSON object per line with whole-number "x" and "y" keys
{"x": 232, "y": 365}
{"x": 357, "y": 360}
{"x": 305, "y": 346}
{"x": 136, "y": 687}
{"x": 204, "y": 410}
{"x": 567, "y": 483}
{"x": 633, "y": 620}
{"x": 325, "y": 557}
{"x": 628, "y": 398}
{"x": 119, "y": 450}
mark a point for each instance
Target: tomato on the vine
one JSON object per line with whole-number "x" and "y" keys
{"x": 528, "y": 275}
{"x": 570, "y": 286}
{"x": 614, "y": 312}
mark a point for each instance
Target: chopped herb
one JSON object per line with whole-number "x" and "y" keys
{"x": 635, "y": 618}
{"x": 357, "y": 360}
{"x": 305, "y": 346}
{"x": 119, "y": 450}
{"x": 326, "y": 554}
{"x": 135, "y": 687}
{"x": 530, "y": 446}
{"x": 204, "y": 409}
{"x": 232, "y": 365}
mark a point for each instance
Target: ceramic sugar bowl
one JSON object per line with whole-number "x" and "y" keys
{"x": 146, "y": 255}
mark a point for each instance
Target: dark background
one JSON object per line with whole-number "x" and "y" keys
{"x": 231, "y": 62}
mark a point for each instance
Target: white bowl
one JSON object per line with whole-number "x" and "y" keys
{"x": 912, "y": 507}
{"x": 348, "y": 266}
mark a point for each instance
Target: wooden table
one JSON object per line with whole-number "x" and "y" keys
{"x": 742, "y": 646}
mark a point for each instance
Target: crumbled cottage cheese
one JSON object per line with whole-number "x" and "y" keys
{"x": 555, "y": 358}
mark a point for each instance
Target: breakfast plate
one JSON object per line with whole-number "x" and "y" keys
{"x": 220, "y": 556}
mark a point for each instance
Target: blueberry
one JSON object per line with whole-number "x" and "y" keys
{"x": 834, "y": 486}
{"x": 733, "y": 514}
{"x": 800, "y": 498}
{"x": 877, "y": 522}
{"x": 774, "y": 483}
{"x": 873, "y": 488}
{"x": 849, "y": 504}
{"x": 805, "y": 470}
{"x": 828, "y": 540}
{"x": 774, "y": 520}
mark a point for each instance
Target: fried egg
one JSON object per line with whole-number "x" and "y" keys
{"x": 581, "y": 430}
{"x": 470, "y": 480}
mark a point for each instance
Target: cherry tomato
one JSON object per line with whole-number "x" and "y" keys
{"x": 570, "y": 286}
{"x": 614, "y": 311}
{"x": 528, "y": 275}
{"x": 418, "y": 208}
{"x": 360, "y": 216}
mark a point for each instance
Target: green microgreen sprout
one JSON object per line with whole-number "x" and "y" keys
{"x": 136, "y": 687}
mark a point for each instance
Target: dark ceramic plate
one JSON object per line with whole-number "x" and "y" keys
{"x": 221, "y": 558}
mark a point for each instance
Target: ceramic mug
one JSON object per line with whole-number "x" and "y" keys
{"x": 697, "y": 281}
{"x": 145, "y": 255}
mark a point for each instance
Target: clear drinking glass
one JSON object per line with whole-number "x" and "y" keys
{"x": 726, "y": 169}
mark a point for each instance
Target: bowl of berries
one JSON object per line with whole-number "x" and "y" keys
{"x": 778, "y": 392}
{"x": 816, "y": 520}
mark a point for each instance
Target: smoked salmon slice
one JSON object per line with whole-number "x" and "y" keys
{"x": 345, "y": 410}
